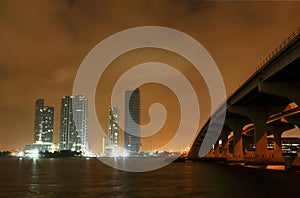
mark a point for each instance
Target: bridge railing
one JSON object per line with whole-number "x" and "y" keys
{"x": 267, "y": 59}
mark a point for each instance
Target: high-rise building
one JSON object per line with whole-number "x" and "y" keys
{"x": 113, "y": 127}
{"x": 73, "y": 123}
{"x": 44, "y": 119}
{"x": 132, "y": 121}
{"x": 112, "y": 147}
{"x": 80, "y": 119}
{"x": 43, "y": 129}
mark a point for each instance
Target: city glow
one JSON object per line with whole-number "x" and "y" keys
{"x": 125, "y": 154}
{"x": 34, "y": 154}
{"x": 88, "y": 154}
{"x": 21, "y": 154}
{"x": 116, "y": 153}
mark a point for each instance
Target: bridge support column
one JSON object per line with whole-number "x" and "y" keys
{"x": 237, "y": 124}
{"x": 210, "y": 154}
{"x": 260, "y": 136}
{"x": 238, "y": 153}
{"x": 248, "y": 142}
{"x": 277, "y": 129}
{"x": 277, "y": 145}
{"x": 217, "y": 148}
{"x": 259, "y": 115}
{"x": 225, "y": 146}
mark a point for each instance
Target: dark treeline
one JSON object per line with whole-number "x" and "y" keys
{"x": 63, "y": 153}
{"x": 47, "y": 154}
{"x": 5, "y": 153}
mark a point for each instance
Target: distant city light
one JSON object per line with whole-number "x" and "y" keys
{"x": 21, "y": 154}
{"x": 125, "y": 154}
{"x": 220, "y": 142}
{"x": 88, "y": 154}
{"x": 34, "y": 154}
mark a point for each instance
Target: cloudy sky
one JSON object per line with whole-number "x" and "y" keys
{"x": 43, "y": 44}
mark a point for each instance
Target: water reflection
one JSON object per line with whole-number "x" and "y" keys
{"x": 119, "y": 183}
{"x": 34, "y": 187}
{"x": 75, "y": 177}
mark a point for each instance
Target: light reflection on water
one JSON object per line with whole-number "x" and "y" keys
{"x": 75, "y": 177}
{"x": 34, "y": 186}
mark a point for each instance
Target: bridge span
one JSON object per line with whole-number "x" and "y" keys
{"x": 268, "y": 101}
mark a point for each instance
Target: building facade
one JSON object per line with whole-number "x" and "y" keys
{"x": 132, "y": 121}
{"x": 73, "y": 123}
{"x": 43, "y": 125}
{"x": 113, "y": 127}
{"x": 112, "y": 147}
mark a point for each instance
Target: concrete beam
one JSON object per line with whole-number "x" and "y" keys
{"x": 294, "y": 119}
{"x": 288, "y": 90}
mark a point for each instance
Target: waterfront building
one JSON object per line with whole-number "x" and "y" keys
{"x": 113, "y": 137}
{"x": 132, "y": 121}
{"x": 43, "y": 129}
{"x": 43, "y": 124}
{"x": 113, "y": 127}
{"x": 73, "y": 123}
{"x": 43, "y": 146}
{"x": 104, "y": 145}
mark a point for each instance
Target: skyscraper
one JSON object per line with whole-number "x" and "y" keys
{"x": 113, "y": 127}
{"x": 43, "y": 126}
{"x": 112, "y": 146}
{"x": 73, "y": 123}
{"x": 80, "y": 119}
{"x": 132, "y": 121}
{"x": 43, "y": 129}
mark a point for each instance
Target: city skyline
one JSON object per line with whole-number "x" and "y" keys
{"x": 143, "y": 98}
{"x": 238, "y": 35}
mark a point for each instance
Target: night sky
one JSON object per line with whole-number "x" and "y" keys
{"x": 43, "y": 44}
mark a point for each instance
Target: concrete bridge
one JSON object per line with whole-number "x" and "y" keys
{"x": 267, "y": 102}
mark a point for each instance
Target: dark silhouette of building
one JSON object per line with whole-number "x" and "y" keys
{"x": 132, "y": 121}
{"x": 113, "y": 127}
{"x": 44, "y": 119}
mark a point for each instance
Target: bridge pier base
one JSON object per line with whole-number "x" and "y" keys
{"x": 217, "y": 152}
{"x": 277, "y": 145}
{"x": 277, "y": 129}
{"x": 225, "y": 146}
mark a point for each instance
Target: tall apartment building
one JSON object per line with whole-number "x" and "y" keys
{"x": 43, "y": 125}
{"x": 113, "y": 127}
{"x": 73, "y": 123}
{"x": 132, "y": 121}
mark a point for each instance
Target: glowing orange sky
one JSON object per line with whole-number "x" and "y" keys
{"x": 44, "y": 42}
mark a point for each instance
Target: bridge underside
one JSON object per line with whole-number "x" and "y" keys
{"x": 258, "y": 109}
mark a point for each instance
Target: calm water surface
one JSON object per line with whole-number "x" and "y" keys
{"x": 74, "y": 177}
